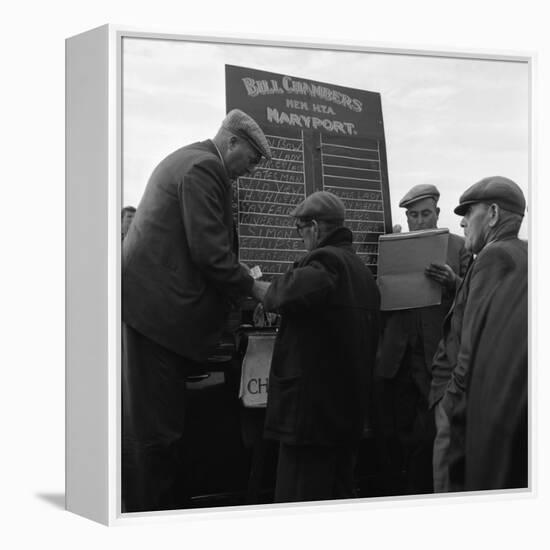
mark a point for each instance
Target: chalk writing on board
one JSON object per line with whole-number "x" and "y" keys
{"x": 369, "y": 227}
{"x": 292, "y": 165}
{"x": 267, "y": 232}
{"x": 271, "y": 209}
{"x": 251, "y": 218}
{"x": 278, "y": 175}
{"x": 266, "y": 185}
{"x": 271, "y": 243}
{"x": 281, "y": 154}
{"x": 356, "y": 194}
{"x": 280, "y": 144}
{"x": 267, "y": 236}
{"x": 263, "y": 196}
{"x": 281, "y": 255}
{"x": 362, "y": 205}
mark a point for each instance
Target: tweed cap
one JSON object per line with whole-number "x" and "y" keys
{"x": 320, "y": 205}
{"x": 495, "y": 189}
{"x": 419, "y": 192}
{"x": 239, "y": 123}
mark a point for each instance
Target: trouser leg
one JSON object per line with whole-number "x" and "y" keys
{"x": 419, "y": 473}
{"x": 441, "y": 450}
{"x": 413, "y": 421}
{"x": 153, "y": 413}
{"x": 307, "y": 473}
{"x": 389, "y": 440}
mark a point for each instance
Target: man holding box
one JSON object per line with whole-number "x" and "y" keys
{"x": 408, "y": 345}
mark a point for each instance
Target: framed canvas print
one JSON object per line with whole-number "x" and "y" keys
{"x": 226, "y": 345}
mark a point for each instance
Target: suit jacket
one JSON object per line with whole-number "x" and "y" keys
{"x": 403, "y": 327}
{"x": 179, "y": 267}
{"x": 323, "y": 359}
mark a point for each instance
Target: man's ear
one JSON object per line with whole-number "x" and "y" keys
{"x": 232, "y": 142}
{"x": 494, "y": 214}
{"x": 437, "y": 211}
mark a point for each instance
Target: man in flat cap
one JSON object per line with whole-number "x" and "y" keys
{"x": 409, "y": 342}
{"x": 320, "y": 377}
{"x": 180, "y": 274}
{"x": 482, "y": 358}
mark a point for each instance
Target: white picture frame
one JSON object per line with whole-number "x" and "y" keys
{"x": 94, "y": 200}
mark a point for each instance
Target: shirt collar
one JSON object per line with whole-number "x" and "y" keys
{"x": 219, "y": 154}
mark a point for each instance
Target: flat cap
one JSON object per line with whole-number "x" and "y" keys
{"x": 320, "y": 205}
{"x": 495, "y": 189}
{"x": 239, "y": 123}
{"x": 419, "y": 192}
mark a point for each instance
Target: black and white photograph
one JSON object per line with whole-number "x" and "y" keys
{"x": 275, "y": 275}
{"x": 324, "y": 274}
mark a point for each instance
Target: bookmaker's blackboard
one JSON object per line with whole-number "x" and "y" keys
{"x": 323, "y": 137}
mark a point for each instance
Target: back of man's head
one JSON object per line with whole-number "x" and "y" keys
{"x": 318, "y": 215}
{"x": 321, "y": 206}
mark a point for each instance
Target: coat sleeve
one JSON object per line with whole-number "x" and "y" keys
{"x": 203, "y": 196}
{"x": 302, "y": 288}
{"x": 487, "y": 274}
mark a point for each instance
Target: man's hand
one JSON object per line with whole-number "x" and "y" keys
{"x": 245, "y": 266}
{"x": 442, "y": 274}
{"x": 259, "y": 290}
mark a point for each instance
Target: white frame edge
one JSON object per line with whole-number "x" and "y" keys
{"x": 92, "y": 284}
{"x": 87, "y": 234}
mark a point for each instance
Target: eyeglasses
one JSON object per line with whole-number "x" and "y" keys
{"x": 301, "y": 226}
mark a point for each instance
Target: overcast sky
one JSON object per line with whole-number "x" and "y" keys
{"x": 448, "y": 121}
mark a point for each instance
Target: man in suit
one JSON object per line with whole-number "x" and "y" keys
{"x": 480, "y": 369}
{"x": 409, "y": 342}
{"x": 180, "y": 275}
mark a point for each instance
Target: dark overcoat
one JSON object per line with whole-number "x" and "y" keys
{"x": 486, "y": 397}
{"x": 324, "y": 352}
